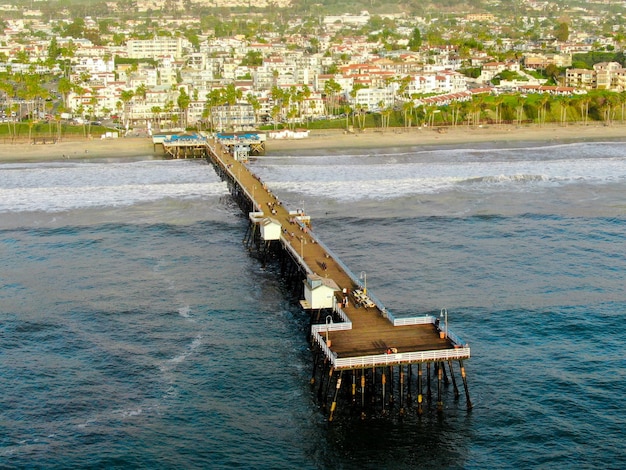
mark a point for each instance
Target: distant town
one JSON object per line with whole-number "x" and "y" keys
{"x": 150, "y": 66}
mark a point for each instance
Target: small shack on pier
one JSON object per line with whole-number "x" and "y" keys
{"x": 319, "y": 292}
{"x": 270, "y": 229}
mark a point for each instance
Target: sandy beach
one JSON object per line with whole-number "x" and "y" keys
{"x": 461, "y": 135}
{"x": 77, "y": 149}
{"x": 327, "y": 139}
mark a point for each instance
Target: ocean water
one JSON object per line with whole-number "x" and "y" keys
{"x": 138, "y": 332}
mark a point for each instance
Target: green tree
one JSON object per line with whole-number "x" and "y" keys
{"x": 415, "y": 42}
{"x": 252, "y": 58}
{"x": 76, "y": 28}
{"x": 54, "y": 51}
{"x": 561, "y": 32}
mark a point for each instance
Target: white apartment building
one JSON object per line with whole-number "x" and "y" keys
{"x": 239, "y": 117}
{"x": 373, "y": 98}
{"x": 441, "y": 82}
{"x": 93, "y": 65}
{"x": 153, "y": 48}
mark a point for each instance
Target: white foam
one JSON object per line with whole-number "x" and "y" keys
{"x": 61, "y": 186}
{"x": 58, "y": 187}
{"x": 380, "y": 179}
{"x": 195, "y": 344}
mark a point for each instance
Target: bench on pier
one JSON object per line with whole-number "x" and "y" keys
{"x": 361, "y": 298}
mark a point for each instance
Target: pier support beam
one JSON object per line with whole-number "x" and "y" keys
{"x": 362, "y": 393}
{"x": 456, "y": 390}
{"x": 331, "y": 371}
{"x": 315, "y": 359}
{"x": 467, "y": 397}
{"x": 409, "y": 396}
{"x": 323, "y": 374}
{"x": 402, "y": 390}
{"x": 439, "y": 386}
{"x": 383, "y": 381}
{"x": 420, "y": 397}
{"x": 333, "y": 405}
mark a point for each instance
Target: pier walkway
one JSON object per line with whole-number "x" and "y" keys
{"x": 355, "y": 331}
{"x": 373, "y": 331}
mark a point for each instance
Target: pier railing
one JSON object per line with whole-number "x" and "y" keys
{"x": 401, "y": 358}
{"x": 321, "y": 337}
{"x": 295, "y": 255}
{"x": 347, "y": 270}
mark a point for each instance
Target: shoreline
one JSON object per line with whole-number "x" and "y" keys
{"x": 330, "y": 141}
{"x": 459, "y": 137}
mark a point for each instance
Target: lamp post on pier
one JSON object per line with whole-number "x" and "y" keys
{"x": 302, "y": 243}
{"x": 363, "y": 276}
{"x": 329, "y": 321}
{"x": 444, "y": 314}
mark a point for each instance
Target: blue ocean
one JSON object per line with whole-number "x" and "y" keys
{"x": 137, "y": 331}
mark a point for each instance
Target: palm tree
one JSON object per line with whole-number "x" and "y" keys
{"x": 126, "y": 96}
{"x": 564, "y": 104}
{"x": 183, "y": 101}
{"x": 141, "y": 91}
{"x": 455, "y": 107}
{"x": 361, "y": 112}
{"x": 275, "y": 113}
{"x": 473, "y": 112}
{"x": 610, "y": 102}
{"x": 93, "y": 101}
{"x": 584, "y": 108}
{"x": 156, "y": 114}
{"x": 622, "y": 102}
{"x": 231, "y": 95}
{"x": 519, "y": 108}
{"x": 213, "y": 99}
{"x": 65, "y": 88}
{"x": 407, "y": 109}
{"x": 544, "y": 101}
{"x": 331, "y": 89}
{"x": 381, "y": 107}
{"x": 256, "y": 106}
{"x": 57, "y": 118}
{"x": 168, "y": 108}
{"x": 497, "y": 102}
{"x": 81, "y": 112}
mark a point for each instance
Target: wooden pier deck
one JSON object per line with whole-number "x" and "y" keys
{"x": 367, "y": 336}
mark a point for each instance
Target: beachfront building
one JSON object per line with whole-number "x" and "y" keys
{"x": 580, "y": 78}
{"x": 157, "y": 47}
{"x": 374, "y": 99}
{"x": 604, "y": 76}
{"x": 541, "y": 61}
{"x": 237, "y": 117}
{"x": 443, "y": 82}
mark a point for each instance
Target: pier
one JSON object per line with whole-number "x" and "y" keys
{"x": 239, "y": 144}
{"x": 388, "y": 362}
